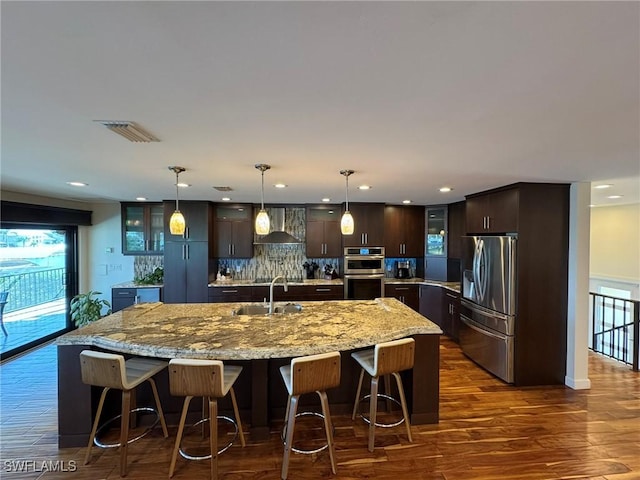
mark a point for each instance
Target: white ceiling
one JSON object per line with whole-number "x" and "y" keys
{"x": 412, "y": 96}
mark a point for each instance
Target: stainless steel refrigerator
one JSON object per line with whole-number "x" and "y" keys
{"x": 488, "y": 304}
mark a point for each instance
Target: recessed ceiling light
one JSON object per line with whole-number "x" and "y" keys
{"x": 78, "y": 184}
{"x": 280, "y": 185}
{"x": 613, "y": 197}
{"x": 330, "y": 211}
{"x": 226, "y": 199}
{"x": 445, "y": 189}
{"x": 406, "y": 201}
{"x": 141, "y": 199}
{"x": 183, "y": 185}
{"x": 326, "y": 199}
{"x": 603, "y": 186}
{"x": 364, "y": 187}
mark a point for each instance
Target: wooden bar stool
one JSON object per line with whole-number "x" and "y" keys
{"x": 209, "y": 379}
{"x": 313, "y": 373}
{"x": 384, "y": 359}
{"x": 110, "y": 370}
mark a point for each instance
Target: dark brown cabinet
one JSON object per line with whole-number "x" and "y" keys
{"x": 368, "y": 221}
{"x": 431, "y": 303}
{"x": 404, "y": 231}
{"x": 323, "y": 237}
{"x": 407, "y": 294}
{"x": 186, "y": 272}
{"x": 451, "y": 309}
{"x": 234, "y": 231}
{"x": 198, "y": 219}
{"x": 493, "y": 212}
{"x": 142, "y": 228}
{"x": 125, "y": 297}
{"x": 456, "y": 229}
{"x": 187, "y": 257}
{"x": 231, "y": 294}
{"x": 260, "y": 293}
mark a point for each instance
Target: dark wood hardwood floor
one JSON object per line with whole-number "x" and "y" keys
{"x": 488, "y": 430}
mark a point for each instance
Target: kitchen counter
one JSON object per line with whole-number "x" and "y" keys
{"x": 261, "y": 343}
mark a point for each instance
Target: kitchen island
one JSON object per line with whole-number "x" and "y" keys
{"x": 260, "y": 343}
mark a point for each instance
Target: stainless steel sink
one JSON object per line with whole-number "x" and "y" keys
{"x": 260, "y": 309}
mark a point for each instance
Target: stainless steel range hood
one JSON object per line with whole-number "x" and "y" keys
{"x": 277, "y": 235}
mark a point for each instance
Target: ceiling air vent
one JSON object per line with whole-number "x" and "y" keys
{"x": 129, "y": 130}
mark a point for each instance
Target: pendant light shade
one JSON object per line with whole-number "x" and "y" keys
{"x": 347, "y": 225}
{"x": 262, "y": 220}
{"x": 177, "y": 223}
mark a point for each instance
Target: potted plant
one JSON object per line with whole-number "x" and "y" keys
{"x": 86, "y": 309}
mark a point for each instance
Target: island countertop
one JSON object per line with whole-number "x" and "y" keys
{"x": 209, "y": 330}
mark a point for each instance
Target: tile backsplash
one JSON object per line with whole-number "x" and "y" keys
{"x": 146, "y": 264}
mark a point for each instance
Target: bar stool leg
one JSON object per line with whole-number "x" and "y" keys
{"x": 403, "y": 402}
{"x": 159, "y": 407}
{"x": 328, "y": 428}
{"x": 183, "y": 418}
{"x": 387, "y": 391}
{"x": 124, "y": 430}
{"x": 292, "y": 407}
{"x": 357, "y": 401}
{"x": 373, "y": 409}
{"x": 95, "y": 425}
{"x": 237, "y": 414}
{"x": 213, "y": 436}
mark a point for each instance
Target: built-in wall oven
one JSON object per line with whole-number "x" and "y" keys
{"x": 363, "y": 273}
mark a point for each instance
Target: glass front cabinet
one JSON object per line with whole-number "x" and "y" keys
{"x": 435, "y": 258}
{"x": 142, "y": 229}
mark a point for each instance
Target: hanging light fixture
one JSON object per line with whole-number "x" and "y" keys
{"x": 346, "y": 223}
{"x": 262, "y": 220}
{"x": 176, "y": 222}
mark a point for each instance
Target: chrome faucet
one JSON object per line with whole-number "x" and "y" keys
{"x": 286, "y": 289}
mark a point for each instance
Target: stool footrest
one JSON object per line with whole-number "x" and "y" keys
{"x": 299, "y": 450}
{"x": 378, "y": 424}
{"x": 99, "y": 443}
{"x": 223, "y": 449}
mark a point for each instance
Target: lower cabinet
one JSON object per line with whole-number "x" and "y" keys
{"x": 442, "y": 307}
{"x": 451, "y": 310}
{"x": 407, "y": 294}
{"x": 431, "y": 304}
{"x": 260, "y": 293}
{"x": 186, "y": 272}
{"x": 125, "y": 297}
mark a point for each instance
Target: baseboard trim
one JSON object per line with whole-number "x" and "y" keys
{"x": 577, "y": 383}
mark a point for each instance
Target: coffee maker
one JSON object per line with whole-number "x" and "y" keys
{"x": 403, "y": 269}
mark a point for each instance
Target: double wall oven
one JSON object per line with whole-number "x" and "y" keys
{"x": 363, "y": 273}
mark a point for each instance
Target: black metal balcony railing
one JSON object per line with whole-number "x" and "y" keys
{"x": 33, "y": 288}
{"x": 615, "y": 328}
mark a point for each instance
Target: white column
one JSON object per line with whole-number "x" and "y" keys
{"x": 577, "y": 376}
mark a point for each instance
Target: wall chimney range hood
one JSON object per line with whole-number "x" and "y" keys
{"x": 277, "y": 235}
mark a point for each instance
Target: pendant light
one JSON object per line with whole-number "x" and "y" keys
{"x": 176, "y": 222}
{"x": 346, "y": 223}
{"x": 262, "y": 220}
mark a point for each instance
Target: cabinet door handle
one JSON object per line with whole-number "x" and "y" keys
{"x": 229, "y": 291}
{"x": 184, "y": 252}
{"x": 233, "y": 249}
{"x": 187, "y": 250}
{"x": 488, "y": 223}
{"x": 186, "y": 232}
{"x": 323, "y": 289}
{"x": 402, "y": 288}
{"x": 229, "y": 249}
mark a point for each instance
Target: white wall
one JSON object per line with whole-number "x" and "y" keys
{"x": 615, "y": 243}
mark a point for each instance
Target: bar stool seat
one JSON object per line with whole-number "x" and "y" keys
{"x": 313, "y": 373}
{"x": 209, "y": 379}
{"x": 111, "y": 371}
{"x": 387, "y": 358}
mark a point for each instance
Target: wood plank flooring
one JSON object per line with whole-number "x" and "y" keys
{"x": 487, "y": 431}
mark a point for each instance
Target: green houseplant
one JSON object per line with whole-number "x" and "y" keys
{"x": 86, "y": 309}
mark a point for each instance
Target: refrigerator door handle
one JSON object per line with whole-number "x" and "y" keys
{"x": 473, "y": 325}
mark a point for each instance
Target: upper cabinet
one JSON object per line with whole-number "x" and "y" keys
{"x": 404, "y": 231}
{"x": 197, "y": 217}
{"x": 436, "y": 228}
{"x": 493, "y": 212}
{"x": 323, "y": 237}
{"x": 457, "y": 229}
{"x": 369, "y": 225}
{"x": 234, "y": 231}
{"x": 142, "y": 229}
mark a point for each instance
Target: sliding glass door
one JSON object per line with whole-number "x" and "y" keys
{"x": 37, "y": 280}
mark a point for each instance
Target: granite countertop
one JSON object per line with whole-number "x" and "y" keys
{"x": 208, "y": 330}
